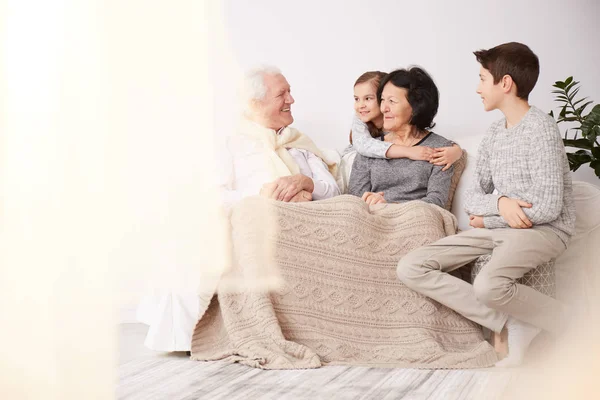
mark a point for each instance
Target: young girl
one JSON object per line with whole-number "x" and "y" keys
{"x": 367, "y": 125}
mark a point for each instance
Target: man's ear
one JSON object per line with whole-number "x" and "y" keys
{"x": 254, "y": 105}
{"x": 254, "y": 109}
{"x": 507, "y": 83}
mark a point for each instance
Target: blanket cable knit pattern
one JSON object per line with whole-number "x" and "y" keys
{"x": 340, "y": 301}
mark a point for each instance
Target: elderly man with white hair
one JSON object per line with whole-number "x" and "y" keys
{"x": 263, "y": 156}
{"x": 267, "y": 156}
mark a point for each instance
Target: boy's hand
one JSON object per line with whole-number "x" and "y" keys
{"x": 373, "y": 198}
{"x": 510, "y": 209}
{"x": 446, "y": 156}
{"x": 476, "y": 221}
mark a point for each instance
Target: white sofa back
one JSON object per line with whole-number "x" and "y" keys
{"x": 470, "y": 145}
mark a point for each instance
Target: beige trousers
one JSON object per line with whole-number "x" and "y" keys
{"x": 494, "y": 295}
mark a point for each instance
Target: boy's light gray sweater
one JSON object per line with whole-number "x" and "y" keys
{"x": 527, "y": 162}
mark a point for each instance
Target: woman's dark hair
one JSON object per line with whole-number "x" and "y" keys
{"x": 374, "y": 78}
{"x": 423, "y": 95}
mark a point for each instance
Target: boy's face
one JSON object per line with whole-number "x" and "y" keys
{"x": 491, "y": 94}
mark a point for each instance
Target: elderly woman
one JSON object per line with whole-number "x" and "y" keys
{"x": 409, "y": 100}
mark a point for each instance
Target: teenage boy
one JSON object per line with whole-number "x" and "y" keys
{"x": 520, "y": 205}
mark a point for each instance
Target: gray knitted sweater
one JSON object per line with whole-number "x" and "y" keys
{"x": 527, "y": 162}
{"x": 402, "y": 179}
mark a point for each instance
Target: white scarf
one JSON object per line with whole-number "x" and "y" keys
{"x": 275, "y": 147}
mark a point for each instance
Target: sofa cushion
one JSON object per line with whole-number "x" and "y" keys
{"x": 344, "y": 171}
{"x": 459, "y": 167}
{"x": 577, "y": 275}
{"x": 469, "y": 145}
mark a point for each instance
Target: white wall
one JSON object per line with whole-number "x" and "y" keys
{"x": 323, "y": 46}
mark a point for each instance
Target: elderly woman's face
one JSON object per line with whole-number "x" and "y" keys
{"x": 396, "y": 110}
{"x": 275, "y": 108}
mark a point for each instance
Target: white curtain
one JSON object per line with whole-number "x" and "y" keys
{"x": 106, "y": 171}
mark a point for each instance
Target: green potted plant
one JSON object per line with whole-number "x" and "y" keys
{"x": 586, "y": 127}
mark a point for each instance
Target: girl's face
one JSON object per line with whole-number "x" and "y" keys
{"x": 365, "y": 101}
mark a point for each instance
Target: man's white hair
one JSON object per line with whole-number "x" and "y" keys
{"x": 253, "y": 85}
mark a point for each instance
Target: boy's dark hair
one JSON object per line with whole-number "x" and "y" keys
{"x": 514, "y": 59}
{"x": 423, "y": 95}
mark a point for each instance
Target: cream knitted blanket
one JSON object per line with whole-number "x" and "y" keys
{"x": 340, "y": 301}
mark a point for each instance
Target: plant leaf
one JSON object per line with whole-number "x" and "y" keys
{"x": 596, "y": 166}
{"x": 570, "y": 86}
{"x": 563, "y": 112}
{"x": 595, "y": 110}
{"x": 583, "y": 107}
{"x": 579, "y": 101}
{"x": 590, "y": 127}
{"x": 576, "y": 160}
{"x": 579, "y": 143}
{"x": 573, "y": 94}
{"x": 568, "y": 119}
{"x": 568, "y": 80}
{"x": 594, "y": 133}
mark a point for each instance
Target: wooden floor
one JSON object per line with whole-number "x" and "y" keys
{"x": 144, "y": 374}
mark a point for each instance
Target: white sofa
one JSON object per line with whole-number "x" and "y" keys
{"x": 172, "y": 317}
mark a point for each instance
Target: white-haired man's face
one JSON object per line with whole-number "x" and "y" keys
{"x": 274, "y": 110}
